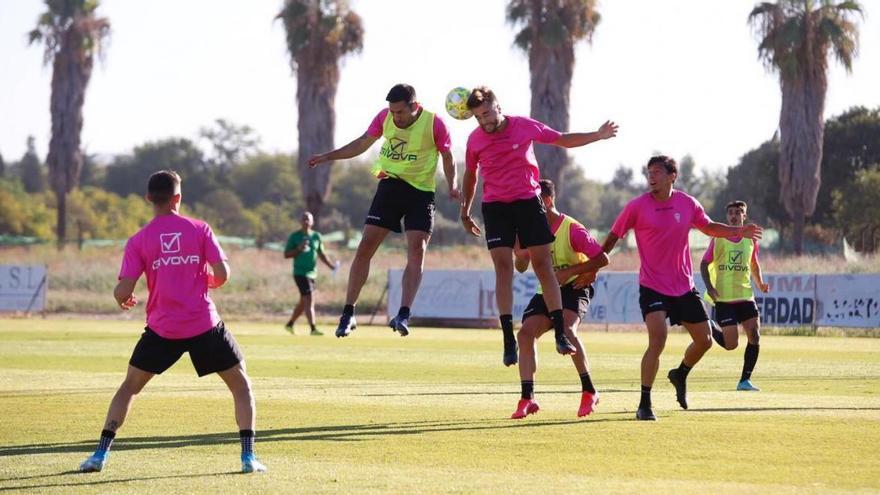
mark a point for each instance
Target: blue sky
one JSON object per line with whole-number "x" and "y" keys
{"x": 680, "y": 76}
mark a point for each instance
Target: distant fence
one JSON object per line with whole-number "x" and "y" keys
{"x": 794, "y": 299}
{"x": 22, "y": 288}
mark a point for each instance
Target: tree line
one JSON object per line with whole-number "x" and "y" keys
{"x": 247, "y": 192}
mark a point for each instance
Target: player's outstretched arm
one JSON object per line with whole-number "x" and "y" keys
{"x": 610, "y": 242}
{"x": 451, "y": 174}
{"x": 219, "y": 275}
{"x": 350, "y": 150}
{"x": 575, "y": 139}
{"x": 592, "y": 265}
{"x": 715, "y": 229}
{"x": 124, "y": 293}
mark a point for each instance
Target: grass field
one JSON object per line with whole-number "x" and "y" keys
{"x": 427, "y": 414}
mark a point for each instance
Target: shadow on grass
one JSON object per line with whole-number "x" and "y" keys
{"x": 501, "y": 392}
{"x": 74, "y": 483}
{"x": 770, "y": 409}
{"x": 333, "y": 433}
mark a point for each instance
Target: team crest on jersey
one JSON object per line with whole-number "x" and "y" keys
{"x": 677, "y": 216}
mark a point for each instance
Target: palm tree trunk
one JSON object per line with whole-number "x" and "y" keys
{"x": 316, "y": 123}
{"x": 801, "y": 132}
{"x": 551, "y": 70}
{"x": 61, "y": 219}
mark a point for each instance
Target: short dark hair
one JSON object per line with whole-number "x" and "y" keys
{"x": 548, "y": 189}
{"x": 667, "y": 162}
{"x": 161, "y": 186}
{"x": 401, "y": 92}
{"x": 480, "y": 95}
{"x": 737, "y": 204}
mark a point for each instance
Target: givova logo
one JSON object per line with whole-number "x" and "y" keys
{"x": 734, "y": 263}
{"x": 395, "y": 149}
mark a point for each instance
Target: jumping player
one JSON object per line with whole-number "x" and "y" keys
{"x": 501, "y": 149}
{"x": 727, "y": 267}
{"x": 182, "y": 260}
{"x": 662, "y": 219}
{"x": 574, "y": 252}
{"x": 413, "y": 140}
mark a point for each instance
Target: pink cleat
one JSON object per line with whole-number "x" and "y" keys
{"x": 588, "y": 402}
{"x": 525, "y": 407}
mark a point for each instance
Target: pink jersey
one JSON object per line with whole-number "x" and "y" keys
{"x": 581, "y": 240}
{"x": 175, "y": 252}
{"x": 662, "y": 229}
{"x": 710, "y": 254}
{"x": 506, "y": 159}
{"x": 442, "y": 140}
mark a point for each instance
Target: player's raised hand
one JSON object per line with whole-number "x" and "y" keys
{"x": 607, "y": 130}
{"x": 752, "y": 231}
{"x": 316, "y": 159}
{"x": 470, "y": 226}
{"x": 129, "y": 303}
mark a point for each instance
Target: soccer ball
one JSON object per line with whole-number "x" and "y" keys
{"x": 456, "y": 104}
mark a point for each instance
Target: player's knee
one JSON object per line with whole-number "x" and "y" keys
{"x": 731, "y": 344}
{"x": 523, "y": 335}
{"x": 755, "y": 336}
{"x": 704, "y": 341}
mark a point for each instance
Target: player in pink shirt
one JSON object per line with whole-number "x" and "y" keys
{"x": 662, "y": 219}
{"x": 501, "y": 150}
{"x": 413, "y": 141}
{"x": 576, "y": 258}
{"x": 182, "y": 260}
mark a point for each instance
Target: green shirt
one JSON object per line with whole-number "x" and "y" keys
{"x": 306, "y": 262}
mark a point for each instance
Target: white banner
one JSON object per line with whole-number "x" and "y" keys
{"x": 22, "y": 287}
{"x": 793, "y": 300}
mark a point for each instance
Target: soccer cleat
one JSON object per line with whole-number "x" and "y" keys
{"x": 748, "y": 386}
{"x": 680, "y": 385}
{"x": 316, "y": 333}
{"x": 289, "y": 327}
{"x": 346, "y": 326}
{"x": 400, "y": 325}
{"x": 95, "y": 463}
{"x": 250, "y": 464}
{"x": 525, "y": 407}
{"x": 563, "y": 346}
{"x": 645, "y": 414}
{"x": 510, "y": 352}
{"x": 588, "y": 402}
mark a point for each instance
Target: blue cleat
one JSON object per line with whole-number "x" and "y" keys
{"x": 95, "y": 463}
{"x": 400, "y": 325}
{"x": 748, "y": 386}
{"x": 250, "y": 464}
{"x": 346, "y": 326}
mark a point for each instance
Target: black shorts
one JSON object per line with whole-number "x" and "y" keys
{"x": 524, "y": 218}
{"x": 732, "y": 313}
{"x": 576, "y": 300}
{"x": 305, "y": 284}
{"x": 396, "y": 199}
{"x": 213, "y": 351}
{"x": 686, "y": 308}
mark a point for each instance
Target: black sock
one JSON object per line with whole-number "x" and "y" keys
{"x": 645, "y": 402}
{"x": 528, "y": 389}
{"x": 106, "y": 441}
{"x": 403, "y": 312}
{"x": 587, "y": 383}
{"x": 718, "y": 335}
{"x": 247, "y": 441}
{"x": 507, "y": 327}
{"x": 749, "y": 360}
{"x": 314, "y": 328}
{"x": 683, "y": 370}
{"x": 558, "y": 322}
{"x": 348, "y": 310}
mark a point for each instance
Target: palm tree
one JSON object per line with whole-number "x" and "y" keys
{"x": 549, "y": 30}
{"x": 795, "y": 38}
{"x": 319, "y": 34}
{"x": 71, "y": 34}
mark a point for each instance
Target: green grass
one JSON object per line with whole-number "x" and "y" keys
{"x": 427, "y": 414}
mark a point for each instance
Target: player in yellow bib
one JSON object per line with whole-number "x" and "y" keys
{"x": 728, "y": 267}
{"x": 414, "y": 139}
{"x": 576, "y": 258}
